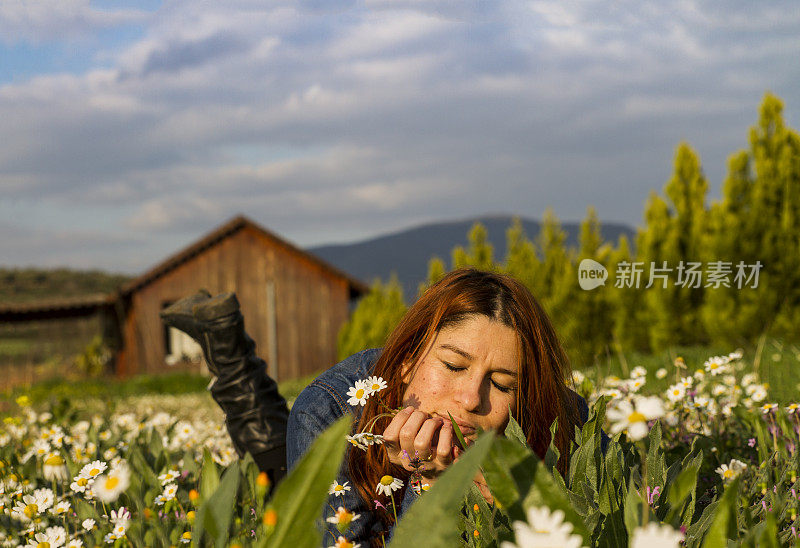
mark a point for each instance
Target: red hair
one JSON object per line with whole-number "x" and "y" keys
{"x": 542, "y": 394}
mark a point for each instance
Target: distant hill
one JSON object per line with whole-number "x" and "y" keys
{"x": 407, "y": 252}
{"x": 19, "y": 285}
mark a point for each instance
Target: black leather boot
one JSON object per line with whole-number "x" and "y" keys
{"x": 255, "y": 412}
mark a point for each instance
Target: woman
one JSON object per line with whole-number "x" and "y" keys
{"x": 475, "y": 345}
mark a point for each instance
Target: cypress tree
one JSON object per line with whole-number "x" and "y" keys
{"x": 479, "y": 253}
{"x": 374, "y": 318}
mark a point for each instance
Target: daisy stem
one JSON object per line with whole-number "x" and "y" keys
{"x": 394, "y": 508}
{"x": 645, "y": 501}
{"x": 372, "y": 422}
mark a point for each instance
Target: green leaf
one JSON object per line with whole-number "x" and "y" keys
{"x": 514, "y": 431}
{"x": 215, "y": 514}
{"x": 656, "y": 469}
{"x": 546, "y": 492}
{"x": 209, "y": 477}
{"x": 553, "y": 454}
{"x": 458, "y": 433}
{"x": 298, "y": 499}
{"x": 683, "y": 486}
{"x": 633, "y": 508}
{"x": 509, "y": 469}
{"x": 437, "y": 511}
{"x": 723, "y": 525}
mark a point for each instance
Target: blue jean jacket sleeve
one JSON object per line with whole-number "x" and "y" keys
{"x": 314, "y": 410}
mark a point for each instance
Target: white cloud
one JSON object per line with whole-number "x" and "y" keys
{"x": 315, "y": 117}
{"x": 49, "y": 20}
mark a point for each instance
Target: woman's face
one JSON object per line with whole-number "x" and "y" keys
{"x": 469, "y": 370}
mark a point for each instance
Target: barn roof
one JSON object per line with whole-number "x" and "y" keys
{"x": 229, "y": 229}
{"x": 55, "y": 309}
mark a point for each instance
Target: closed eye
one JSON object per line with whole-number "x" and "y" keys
{"x": 500, "y": 387}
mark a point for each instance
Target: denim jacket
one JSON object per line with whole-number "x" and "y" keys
{"x": 317, "y": 407}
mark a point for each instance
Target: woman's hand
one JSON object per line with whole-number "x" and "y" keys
{"x": 416, "y": 431}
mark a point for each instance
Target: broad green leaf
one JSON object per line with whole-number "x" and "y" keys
{"x": 656, "y": 468}
{"x": 437, "y": 511}
{"x": 299, "y": 498}
{"x": 633, "y": 508}
{"x": 514, "y": 431}
{"x": 509, "y": 469}
{"x": 723, "y": 526}
{"x": 215, "y": 512}
{"x": 553, "y": 454}
{"x": 546, "y": 492}
{"x": 209, "y": 477}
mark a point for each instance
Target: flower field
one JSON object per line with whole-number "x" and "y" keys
{"x": 709, "y": 461}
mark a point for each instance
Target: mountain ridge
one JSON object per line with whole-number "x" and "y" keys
{"x": 377, "y": 257}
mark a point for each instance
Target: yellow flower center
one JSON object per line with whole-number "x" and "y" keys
{"x": 55, "y": 460}
{"x": 387, "y": 480}
{"x": 727, "y": 474}
{"x": 359, "y": 393}
{"x": 338, "y": 487}
{"x": 82, "y": 482}
{"x": 636, "y": 417}
{"x": 187, "y": 535}
{"x": 31, "y": 510}
{"x": 43, "y": 545}
{"x": 112, "y": 482}
{"x": 94, "y": 471}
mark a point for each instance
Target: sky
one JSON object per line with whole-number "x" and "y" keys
{"x": 130, "y": 129}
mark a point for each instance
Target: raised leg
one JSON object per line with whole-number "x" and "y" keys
{"x": 255, "y": 412}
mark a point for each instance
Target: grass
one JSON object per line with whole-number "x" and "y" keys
{"x": 778, "y": 363}
{"x": 56, "y": 389}
{"x": 775, "y": 361}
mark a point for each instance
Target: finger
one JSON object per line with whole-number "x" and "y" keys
{"x": 445, "y": 445}
{"x": 409, "y": 431}
{"x": 391, "y": 436}
{"x": 423, "y": 442}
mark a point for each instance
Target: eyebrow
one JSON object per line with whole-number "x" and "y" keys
{"x": 470, "y": 357}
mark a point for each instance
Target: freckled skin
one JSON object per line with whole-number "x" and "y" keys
{"x": 470, "y": 394}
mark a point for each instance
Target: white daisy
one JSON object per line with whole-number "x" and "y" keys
{"x": 676, "y": 392}
{"x": 54, "y": 468}
{"x": 358, "y": 393}
{"x": 93, "y": 469}
{"x": 169, "y": 492}
{"x": 388, "y": 484}
{"x": 362, "y": 440}
{"x": 656, "y": 535}
{"x": 108, "y": 487}
{"x": 726, "y": 472}
{"x": 342, "y": 542}
{"x": 633, "y": 416}
{"x": 169, "y": 476}
{"x": 792, "y": 408}
{"x": 342, "y": 518}
{"x": 88, "y": 524}
{"x": 638, "y": 371}
{"x": 661, "y": 373}
{"x": 544, "y": 528}
{"x": 338, "y": 489}
{"x": 375, "y": 384}
{"x": 768, "y": 408}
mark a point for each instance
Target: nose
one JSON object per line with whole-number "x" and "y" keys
{"x": 470, "y": 393}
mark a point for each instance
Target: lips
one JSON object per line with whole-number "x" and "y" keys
{"x": 465, "y": 427}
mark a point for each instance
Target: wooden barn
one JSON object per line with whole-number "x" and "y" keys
{"x": 293, "y": 302}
